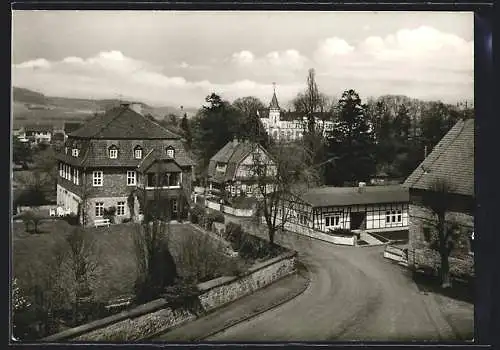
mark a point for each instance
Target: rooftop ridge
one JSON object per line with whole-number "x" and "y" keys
{"x": 441, "y": 146}
{"x": 109, "y": 122}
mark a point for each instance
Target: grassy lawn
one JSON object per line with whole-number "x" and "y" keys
{"x": 33, "y": 254}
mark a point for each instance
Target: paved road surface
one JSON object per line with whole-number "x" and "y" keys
{"x": 354, "y": 294}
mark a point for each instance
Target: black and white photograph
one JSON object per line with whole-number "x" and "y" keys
{"x": 242, "y": 176}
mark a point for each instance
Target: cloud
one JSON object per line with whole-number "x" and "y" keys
{"x": 274, "y": 62}
{"x": 425, "y": 61}
{"x": 331, "y": 47}
{"x": 34, "y": 64}
{"x": 420, "y": 62}
{"x": 243, "y": 57}
{"x": 110, "y": 74}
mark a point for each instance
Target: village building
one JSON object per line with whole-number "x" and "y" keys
{"x": 452, "y": 162}
{"x": 35, "y": 133}
{"x": 232, "y": 170}
{"x": 289, "y": 126}
{"x": 125, "y": 160}
{"x": 362, "y": 208}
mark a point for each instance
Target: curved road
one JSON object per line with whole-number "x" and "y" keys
{"x": 354, "y": 294}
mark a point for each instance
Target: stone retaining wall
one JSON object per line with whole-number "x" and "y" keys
{"x": 149, "y": 319}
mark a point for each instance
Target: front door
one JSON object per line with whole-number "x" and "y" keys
{"x": 358, "y": 220}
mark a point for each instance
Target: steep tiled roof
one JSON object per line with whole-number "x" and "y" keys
{"x": 69, "y": 127}
{"x": 123, "y": 123}
{"x": 94, "y": 153}
{"x": 452, "y": 160}
{"x": 343, "y": 196}
{"x": 274, "y": 102}
{"x": 155, "y": 155}
{"x": 231, "y": 155}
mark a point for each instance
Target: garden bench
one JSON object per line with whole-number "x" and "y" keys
{"x": 102, "y": 222}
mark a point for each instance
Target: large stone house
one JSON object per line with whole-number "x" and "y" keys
{"x": 289, "y": 126}
{"x": 452, "y": 161}
{"x": 125, "y": 160}
{"x": 232, "y": 170}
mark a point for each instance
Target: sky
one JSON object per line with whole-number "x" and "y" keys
{"x": 179, "y": 57}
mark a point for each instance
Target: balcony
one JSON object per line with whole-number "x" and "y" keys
{"x": 163, "y": 181}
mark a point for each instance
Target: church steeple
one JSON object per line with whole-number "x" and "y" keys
{"x": 274, "y": 101}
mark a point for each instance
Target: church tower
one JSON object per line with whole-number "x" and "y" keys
{"x": 274, "y": 108}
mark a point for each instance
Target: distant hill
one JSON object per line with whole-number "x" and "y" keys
{"x": 31, "y": 106}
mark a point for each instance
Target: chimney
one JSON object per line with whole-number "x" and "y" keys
{"x": 136, "y": 107}
{"x": 235, "y": 140}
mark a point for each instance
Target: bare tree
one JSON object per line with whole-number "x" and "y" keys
{"x": 439, "y": 200}
{"x": 83, "y": 263}
{"x": 277, "y": 175}
{"x": 156, "y": 267}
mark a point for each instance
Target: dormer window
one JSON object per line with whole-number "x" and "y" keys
{"x": 75, "y": 152}
{"x": 113, "y": 152}
{"x": 137, "y": 152}
{"x": 170, "y": 152}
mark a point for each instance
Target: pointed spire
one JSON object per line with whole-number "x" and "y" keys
{"x": 274, "y": 101}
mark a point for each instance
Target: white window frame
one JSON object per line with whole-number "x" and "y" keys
{"x": 97, "y": 178}
{"x": 99, "y": 209}
{"x": 76, "y": 176}
{"x": 138, "y": 153}
{"x": 170, "y": 152}
{"x": 332, "y": 218}
{"x": 75, "y": 152}
{"x": 175, "y": 207}
{"x": 61, "y": 169}
{"x": 131, "y": 177}
{"x": 113, "y": 153}
{"x": 120, "y": 208}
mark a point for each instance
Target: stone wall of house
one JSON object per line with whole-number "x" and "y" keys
{"x": 154, "y": 317}
{"x": 420, "y": 252}
{"x": 108, "y": 203}
{"x": 114, "y": 183}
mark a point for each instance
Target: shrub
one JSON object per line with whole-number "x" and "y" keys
{"x": 213, "y": 216}
{"x": 342, "y": 232}
{"x": 109, "y": 213}
{"x": 31, "y": 197}
{"x": 71, "y": 219}
{"x": 183, "y": 295}
{"x": 248, "y": 246}
{"x": 197, "y": 214}
{"x": 126, "y": 220}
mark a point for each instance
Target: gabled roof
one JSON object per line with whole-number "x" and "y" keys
{"x": 123, "y": 123}
{"x": 346, "y": 196}
{"x": 231, "y": 155}
{"x": 274, "y": 102}
{"x": 452, "y": 160}
{"x": 157, "y": 156}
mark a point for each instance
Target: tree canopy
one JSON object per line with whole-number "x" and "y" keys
{"x": 351, "y": 142}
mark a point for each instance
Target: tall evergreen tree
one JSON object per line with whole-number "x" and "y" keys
{"x": 213, "y": 127}
{"x": 351, "y": 143}
{"x": 186, "y": 128}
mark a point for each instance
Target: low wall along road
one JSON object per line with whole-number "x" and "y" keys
{"x": 152, "y": 318}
